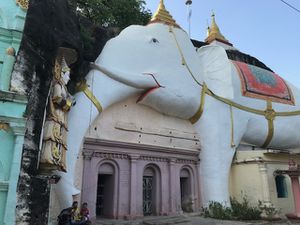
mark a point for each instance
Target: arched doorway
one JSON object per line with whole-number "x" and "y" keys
{"x": 105, "y": 191}
{"x": 186, "y": 190}
{"x": 151, "y": 191}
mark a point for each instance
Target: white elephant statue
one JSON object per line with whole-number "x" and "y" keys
{"x": 160, "y": 63}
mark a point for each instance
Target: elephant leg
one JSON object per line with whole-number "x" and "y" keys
{"x": 80, "y": 118}
{"x": 216, "y": 137}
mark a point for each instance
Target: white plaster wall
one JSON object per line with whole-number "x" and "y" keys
{"x": 130, "y": 122}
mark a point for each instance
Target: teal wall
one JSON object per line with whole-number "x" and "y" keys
{"x": 7, "y": 142}
{"x": 12, "y": 108}
{"x": 3, "y": 199}
{"x": 12, "y": 18}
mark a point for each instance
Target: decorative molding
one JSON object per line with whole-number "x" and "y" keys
{"x": 121, "y": 150}
{"x": 4, "y": 126}
{"x": 13, "y": 97}
{"x": 258, "y": 162}
{"x": 23, "y": 4}
{"x": 151, "y": 158}
{"x": 110, "y": 155}
{"x": 290, "y": 173}
{"x": 13, "y": 121}
{"x": 154, "y": 158}
{"x": 18, "y": 130}
{"x": 90, "y": 142}
{"x": 87, "y": 155}
{"x": 187, "y": 161}
{"x": 4, "y": 186}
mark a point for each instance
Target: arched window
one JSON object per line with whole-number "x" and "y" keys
{"x": 281, "y": 186}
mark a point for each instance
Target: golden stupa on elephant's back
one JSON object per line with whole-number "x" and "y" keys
{"x": 214, "y": 33}
{"x": 163, "y": 16}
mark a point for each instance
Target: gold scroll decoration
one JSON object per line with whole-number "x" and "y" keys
{"x": 4, "y": 126}
{"x": 82, "y": 86}
{"x": 23, "y": 4}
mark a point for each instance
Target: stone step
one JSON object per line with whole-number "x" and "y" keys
{"x": 167, "y": 220}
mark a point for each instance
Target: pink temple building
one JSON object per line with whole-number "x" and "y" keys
{"x": 137, "y": 162}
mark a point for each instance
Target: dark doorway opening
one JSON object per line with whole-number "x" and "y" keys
{"x": 185, "y": 191}
{"x": 104, "y": 203}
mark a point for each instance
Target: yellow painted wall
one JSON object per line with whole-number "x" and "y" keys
{"x": 246, "y": 178}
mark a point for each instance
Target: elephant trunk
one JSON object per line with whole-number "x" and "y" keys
{"x": 142, "y": 81}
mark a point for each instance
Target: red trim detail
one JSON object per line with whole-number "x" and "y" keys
{"x": 147, "y": 92}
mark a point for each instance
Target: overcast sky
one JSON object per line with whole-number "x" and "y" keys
{"x": 266, "y": 29}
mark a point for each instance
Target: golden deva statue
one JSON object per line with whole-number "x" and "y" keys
{"x": 54, "y": 147}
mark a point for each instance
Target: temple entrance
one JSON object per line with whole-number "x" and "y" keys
{"x": 105, "y": 191}
{"x": 185, "y": 190}
{"x": 147, "y": 195}
{"x": 149, "y": 192}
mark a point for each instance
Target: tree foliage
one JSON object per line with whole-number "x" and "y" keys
{"x": 114, "y": 13}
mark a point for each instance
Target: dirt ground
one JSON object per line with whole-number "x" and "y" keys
{"x": 190, "y": 220}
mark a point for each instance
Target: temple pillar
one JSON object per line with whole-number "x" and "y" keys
{"x": 90, "y": 190}
{"x": 133, "y": 185}
{"x": 198, "y": 187}
{"x": 296, "y": 193}
{"x": 172, "y": 185}
{"x": 9, "y": 216}
{"x": 266, "y": 198}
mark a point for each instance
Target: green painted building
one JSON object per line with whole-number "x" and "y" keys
{"x": 12, "y": 107}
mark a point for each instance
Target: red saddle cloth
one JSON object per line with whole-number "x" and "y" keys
{"x": 263, "y": 84}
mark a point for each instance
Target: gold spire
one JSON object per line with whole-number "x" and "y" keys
{"x": 163, "y": 16}
{"x": 214, "y": 33}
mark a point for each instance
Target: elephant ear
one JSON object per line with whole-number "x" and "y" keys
{"x": 216, "y": 70}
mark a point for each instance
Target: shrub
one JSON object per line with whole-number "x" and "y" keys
{"x": 244, "y": 211}
{"x": 218, "y": 211}
{"x": 238, "y": 211}
{"x": 270, "y": 211}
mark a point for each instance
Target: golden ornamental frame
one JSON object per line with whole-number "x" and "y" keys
{"x": 23, "y": 4}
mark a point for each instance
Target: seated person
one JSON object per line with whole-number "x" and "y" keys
{"x": 64, "y": 218}
{"x": 84, "y": 212}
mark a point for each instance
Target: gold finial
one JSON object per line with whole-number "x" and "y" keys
{"x": 163, "y": 16}
{"x": 10, "y": 51}
{"x": 214, "y": 32}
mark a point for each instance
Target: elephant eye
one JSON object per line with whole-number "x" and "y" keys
{"x": 154, "y": 40}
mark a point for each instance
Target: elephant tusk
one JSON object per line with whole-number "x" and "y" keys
{"x": 152, "y": 75}
{"x": 130, "y": 79}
